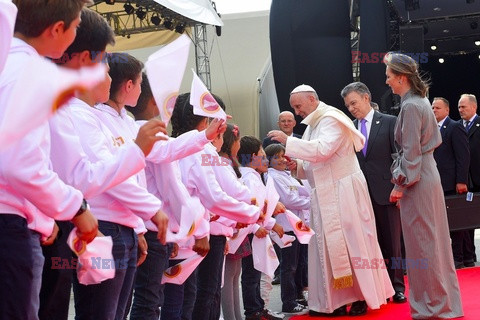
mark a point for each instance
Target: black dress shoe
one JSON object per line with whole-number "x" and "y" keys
{"x": 342, "y": 311}
{"x": 358, "y": 308}
{"x": 399, "y": 297}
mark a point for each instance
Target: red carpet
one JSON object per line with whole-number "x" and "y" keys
{"x": 469, "y": 279}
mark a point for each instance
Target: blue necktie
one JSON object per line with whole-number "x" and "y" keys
{"x": 363, "y": 130}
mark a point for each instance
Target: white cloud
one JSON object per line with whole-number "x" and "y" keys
{"x": 235, "y": 6}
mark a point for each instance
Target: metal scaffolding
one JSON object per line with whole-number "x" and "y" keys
{"x": 202, "y": 61}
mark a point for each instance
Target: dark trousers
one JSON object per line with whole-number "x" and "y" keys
{"x": 209, "y": 281}
{"x": 301, "y": 275}
{"x": 16, "y": 267}
{"x": 56, "y": 282}
{"x": 288, "y": 269}
{"x": 189, "y": 295}
{"x": 469, "y": 247}
{"x": 389, "y": 230}
{"x": 252, "y": 301}
{"x": 149, "y": 292}
{"x": 108, "y": 300}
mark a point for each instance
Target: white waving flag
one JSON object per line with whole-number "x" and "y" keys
{"x": 178, "y": 273}
{"x": 49, "y": 87}
{"x": 272, "y": 199}
{"x": 8, "y": 13}
{"x": 237, "y": 239}
{"x": 264, "y": 257}
{"x": 95, "y": 260}
{"x": 204, "y": 104}
{"x": 301, "y": 230}
{"x": 283, "y": 242}
{"x": 165, "y": 69}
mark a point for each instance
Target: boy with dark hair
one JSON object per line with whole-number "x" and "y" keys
{"x": 43, "y": 28}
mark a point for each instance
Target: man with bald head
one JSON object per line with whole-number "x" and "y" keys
{"x": 345, "y": 263}
{"x": 286, "y": 123}
{"x": 467, "y": 107}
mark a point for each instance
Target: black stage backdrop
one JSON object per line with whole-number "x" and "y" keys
{"x": 310, "y": 44}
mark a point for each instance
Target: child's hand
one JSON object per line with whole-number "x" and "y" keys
{"x": 160, "y": 219}
{"x": 291, "y": 164}
{"x": 278, "y": 230}
{"x": 147, "y": 135}
{"x": 240, "y": 225}
{"x": 174, "y": 252}
{"x": 201, "y": 246}
{"x": 216, "y": 127}
{"x": 279, "y": 208}
{"x": 261, "y": 232}
{"x": 142, "y": 249}
{"x": 51, "y": 239}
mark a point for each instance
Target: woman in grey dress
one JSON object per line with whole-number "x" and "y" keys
{"x": 434, "y": 290}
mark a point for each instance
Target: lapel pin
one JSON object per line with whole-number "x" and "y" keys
{"x": 444, "y": 127}
{"x": 478, "y": 124}
{"x": 377, "y": 122}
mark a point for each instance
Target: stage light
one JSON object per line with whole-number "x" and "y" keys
{"x": 141, "y": 14}
{"x": 477, "y": 43}
{"x": 129, "y": 9}
{"x": 433, "y": 47}
{"x": 156, "y": 20}
{"x": 441, "y": 60}
{"x": 180, "y": 28}
{"x": 167, "y": 23}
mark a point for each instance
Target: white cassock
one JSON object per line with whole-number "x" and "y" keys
{"x": 345, "y": 262}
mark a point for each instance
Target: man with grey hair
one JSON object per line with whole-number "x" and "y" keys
{"x": 286, "y": 123}
{"x": 345, "y": 263}
{"x": 467, "y": 107}
{"x": 375, "y": 161}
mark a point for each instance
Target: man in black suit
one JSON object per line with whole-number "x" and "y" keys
{"x": 375, "y": 161}
{"x": 453, "y": 160}
{"x": 286, "y": 123}
{"x": 467, "y": 107}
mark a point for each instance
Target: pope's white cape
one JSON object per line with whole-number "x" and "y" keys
{"x": 49, "y": 87}
{"x": 8, "y": 14}
{"x": 165, "y": 69}
{"x": 203, "y": 102}
{"x": 95, "y": 260}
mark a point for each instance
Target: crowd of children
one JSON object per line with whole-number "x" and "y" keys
{"x": 94, "y": 167}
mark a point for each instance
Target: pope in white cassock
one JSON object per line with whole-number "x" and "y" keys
{"x": 345, "y": 264}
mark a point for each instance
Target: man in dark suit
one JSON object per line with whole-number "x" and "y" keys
{"x": 286, "y": 123}
{"x": 453, "y": 160}
{"x": 375, "y": 161}
{"x": 467, "y": 107}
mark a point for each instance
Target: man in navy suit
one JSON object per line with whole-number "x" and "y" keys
{"x": 286, "y": 123}
{"x": 375, "y": 161}
{"x": 467, "y": 107}
{"x": 453, "y": 160}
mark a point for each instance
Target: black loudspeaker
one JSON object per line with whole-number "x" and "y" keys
{"x": 411, "y": 39}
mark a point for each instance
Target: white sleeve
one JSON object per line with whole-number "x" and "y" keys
{"x": 129, "y": 192}
{"x": 26, "y": 167}
{"x": 323, "y": 146}
{"x": 73, "y": 166}
{"x": 176, "y": 148}
{"x": 216, "y": 200}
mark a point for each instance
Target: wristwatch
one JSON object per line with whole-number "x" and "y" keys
{"x": 83, "y": 208}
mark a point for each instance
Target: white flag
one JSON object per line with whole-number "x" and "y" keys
{"x": 237, "y": 239}
{"x": 8, "y": 13}
{"x": 95, "y": 260}
{"x": 283, "y": 242}
{"x": 165, "y": 69}
{"x": 301, "y": 230}
{"x": 272, "y": 198}
{"x": 264, "y": 257}
{"x": 49, "y": 87}
{"x": 204, "y": 104}
{"x": 178, "y": 273}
